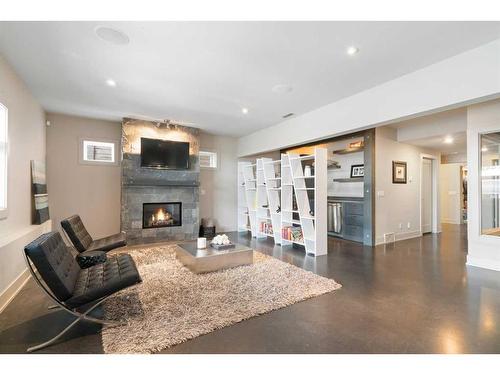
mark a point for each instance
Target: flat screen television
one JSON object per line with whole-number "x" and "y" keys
{"x": 156, "y": 153}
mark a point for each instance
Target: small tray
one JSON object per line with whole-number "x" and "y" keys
{"x": 223, "y": 247}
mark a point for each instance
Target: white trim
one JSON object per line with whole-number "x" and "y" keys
{"x": 473, "y": 261}
{"x": 4, "y": 211}
{"x": 399, "y": 237}
{"x": 14, "y": 287}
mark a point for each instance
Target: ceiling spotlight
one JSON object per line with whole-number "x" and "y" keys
{"x": 484, "y": 149}
{"x": 110, "y": 83}
{"x": 352, "y": 50}
{"x": 244, "y": 110}
{"x": 112, "y": 35}
{"x": 448, "y": 140}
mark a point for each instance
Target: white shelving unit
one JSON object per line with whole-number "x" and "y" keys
{"x": 304, "y": 200}
{"x": 243, "y": 213}
{"x": 263, "y": 211}
{"x": 272, "y": 178}
{"x": 247, "y": 187}
{"x": 279, "y": 194}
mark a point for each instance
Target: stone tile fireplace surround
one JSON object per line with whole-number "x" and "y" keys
{"x": 146, "y": 185}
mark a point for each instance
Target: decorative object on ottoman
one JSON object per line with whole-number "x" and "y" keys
{"x": 207, "y": 228}
{"x": 39, "y": 188}
{"x": 91, "y": 258}
{"x": 221, "y": 242}
{"x": 202, "y": 243}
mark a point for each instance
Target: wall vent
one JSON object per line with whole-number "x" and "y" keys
{"x": 389, "y": 237}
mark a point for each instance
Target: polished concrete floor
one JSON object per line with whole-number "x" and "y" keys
{"x": 415, "y": 296}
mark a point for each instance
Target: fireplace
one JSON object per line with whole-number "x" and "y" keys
{"x": 159, "y": 215}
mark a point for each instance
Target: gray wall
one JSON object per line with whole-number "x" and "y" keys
{"x": 92, "y": 191}
{"x": 218, "y": 198}
{"x": 26, "y": 142}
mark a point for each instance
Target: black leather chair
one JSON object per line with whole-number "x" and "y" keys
{"x": 81, "y": 239}
{"x": 71, "y": 287}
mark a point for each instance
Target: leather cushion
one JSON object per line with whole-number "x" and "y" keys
{"x": 108, "y": 243}
{"x": 91, "y": 258}
{"x": 77, "y": 233}
{"x": 104, "y": 279}
{"x": 55, "y": 263}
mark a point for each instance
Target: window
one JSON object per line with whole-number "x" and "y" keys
{"x": 3, "y": 160}
{"x": 208, "y": 159}
{"x": 98, "y": 152}
{"x": 490, "y": 183}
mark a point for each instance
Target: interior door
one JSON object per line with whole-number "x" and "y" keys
{"x": 426, "y": 199}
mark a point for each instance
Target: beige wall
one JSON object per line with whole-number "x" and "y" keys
{"x": 218, "y": 198}
{"x": 91, "y": 191}
{"x": 400, "y": 203}
{"x": 26, "y": 142}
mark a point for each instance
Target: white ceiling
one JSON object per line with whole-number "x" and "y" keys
{"x": 437, "y": 143}
{"x": 205, "y": 72}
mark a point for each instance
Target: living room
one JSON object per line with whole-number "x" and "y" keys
{"x": 289, "y": 194}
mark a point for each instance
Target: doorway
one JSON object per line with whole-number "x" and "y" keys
{"x": 428, "y": 194}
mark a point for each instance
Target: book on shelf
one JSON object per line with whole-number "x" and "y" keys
{"x": 266, "y": 227}
{"x": 292, "y": 233}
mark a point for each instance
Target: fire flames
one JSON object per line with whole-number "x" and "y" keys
{"x": 161, "y": 217}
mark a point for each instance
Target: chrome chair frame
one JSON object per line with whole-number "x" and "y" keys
{"x": 80, "y": 315}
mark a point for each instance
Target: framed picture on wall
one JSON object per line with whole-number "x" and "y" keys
{"x": 357, "y": 170}
{"x": 399, "y": 172}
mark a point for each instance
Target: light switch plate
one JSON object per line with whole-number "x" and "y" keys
{"x": 380, "y": 193}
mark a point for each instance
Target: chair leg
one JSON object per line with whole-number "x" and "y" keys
{"x": 80, "y": 316}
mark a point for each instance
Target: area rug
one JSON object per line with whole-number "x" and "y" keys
{"x": 173, "y": 305}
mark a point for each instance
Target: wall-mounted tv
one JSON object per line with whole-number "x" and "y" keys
{"x": 156, "y": 153}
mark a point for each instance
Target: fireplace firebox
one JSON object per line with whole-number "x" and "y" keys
{"x": 158, "y": 215}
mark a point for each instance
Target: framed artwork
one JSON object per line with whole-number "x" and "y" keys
{"x": 399, "y": 172}
{"x": 357, "y": 170}
{"x": 40, "y": 196}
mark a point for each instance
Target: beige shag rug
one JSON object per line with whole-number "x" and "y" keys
{"x": 173, "y": 305}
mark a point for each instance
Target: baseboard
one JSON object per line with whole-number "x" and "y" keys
{"x": 399, "y": 237}
{"x": 11, "y": 291}
{"x": 449, "y": 221}
{"x": 483, "y": 263}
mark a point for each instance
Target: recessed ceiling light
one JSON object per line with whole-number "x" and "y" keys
{"x": 448, "y": 140}
{"x": 244, "y": 110}
{"x": 112, "y": 35}
{"x": 110, "y": 83}
{"x": 352, "y": 50}
{"x": 484, "y": 149}
{"x": 282, "y": 88}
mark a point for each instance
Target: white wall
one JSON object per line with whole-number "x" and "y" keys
{"x": 92, "y": 191}
{"x": 26, "y": 143}
{"x": 453, "y": 82}
{"x": 447, "y": 122}
{"x": 483, "y": 251}
{"x": 450, "y": 186}
{"x": 218, "y": 187}
{"x": 400, "y": 203}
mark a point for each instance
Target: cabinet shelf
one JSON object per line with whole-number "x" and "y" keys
{"x": 348, "y": 151}
{"x": 352, "y": 179}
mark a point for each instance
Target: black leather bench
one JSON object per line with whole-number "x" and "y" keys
{"x": 72, "y": 287}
